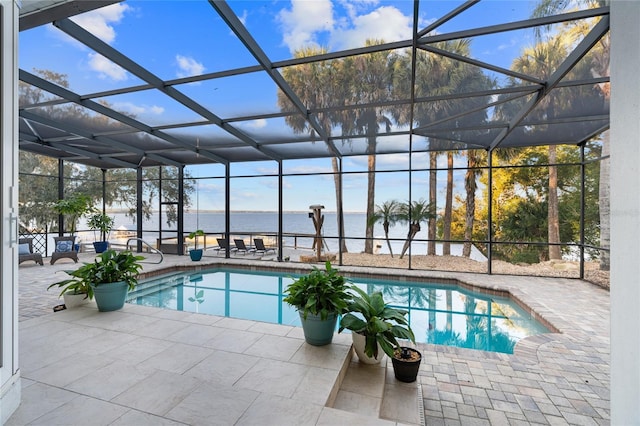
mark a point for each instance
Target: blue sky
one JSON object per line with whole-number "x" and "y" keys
{"x": 175, "y": 39}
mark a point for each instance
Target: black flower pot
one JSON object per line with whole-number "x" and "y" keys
{"x": 406, "y": 363}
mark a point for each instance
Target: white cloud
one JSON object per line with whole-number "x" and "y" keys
{"x": 106, "y": 68}
{"x": 188, "y": 66}
{"x": 305, "y": 18}
{"x": 309, "y": 169}
{"x": 243, "y": 18}
{"x": 257, "y": 124}
{"x": 157, "y": 110}
{"x": 138, "y": 109}
{"x": 267, "y": 171}
{"x": 100, "y": 22}
{"x": 395, "y": 160}
{"x": 273, "y": 184}
{"x": 385, "y": 23}
{"x": 211, "y": 187}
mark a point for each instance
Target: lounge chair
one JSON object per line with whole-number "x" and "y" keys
{"x": 64, "y": 249}
{"x": 224, "y": 245}
{"x": 241, "y": 247}
{"x": 25, "y": 251}
{"x": 261, "y": 248}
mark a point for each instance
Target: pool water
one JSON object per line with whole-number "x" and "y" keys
{"x": 438, "y": 313}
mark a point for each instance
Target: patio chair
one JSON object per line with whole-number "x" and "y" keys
{"x": 261, "y": 248}
{"x": 241, "y": 247}
{"x": 64, "y": 249}
{"x": 25, "y": 251}
{"x": 223, "y": 245}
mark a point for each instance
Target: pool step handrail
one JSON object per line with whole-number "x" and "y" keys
{"x": 149, "y": 246}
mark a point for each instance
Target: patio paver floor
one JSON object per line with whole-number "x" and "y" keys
{"x": 146, "y": 365}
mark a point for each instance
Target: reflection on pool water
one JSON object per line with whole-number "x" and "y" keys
{"x": 438, "y": 313}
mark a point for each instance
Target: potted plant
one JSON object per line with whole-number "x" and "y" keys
{"x": 74, "y": 207}
{"x": 406, "y": 363}
{"x": 73, "y": 292}
{"x": 319, "y": 297}
{"x": 376, "y": 327}
{"x": 104, "y": 224}
{"x": 108, "y": 278}
{"x": 196, "y": 253}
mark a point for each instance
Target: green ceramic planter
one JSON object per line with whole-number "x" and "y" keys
{"x": 110, "y": 296}
{"x": 318, "y": 332}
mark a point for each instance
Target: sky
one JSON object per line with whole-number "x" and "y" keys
{"x": 175, "y": 39}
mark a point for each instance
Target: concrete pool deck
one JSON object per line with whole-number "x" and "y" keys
{"x": 146, "y": 365}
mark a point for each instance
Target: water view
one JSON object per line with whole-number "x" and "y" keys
{"x": 293, "y": 223}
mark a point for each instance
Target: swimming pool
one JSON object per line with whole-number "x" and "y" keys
{"x": 438, "y": 313}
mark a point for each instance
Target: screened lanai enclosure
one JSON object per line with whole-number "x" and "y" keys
{"x": 447, "y": 135}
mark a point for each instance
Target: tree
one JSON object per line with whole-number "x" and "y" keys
{"x": 413, "y": 214}
{"x": 369, "y": 79}
{"x": 387, "y": 213}
{"x": 74, "y": 208}
{"x": 520, "y": 204}
{"x": 40, "y": 174}
{"x": 598, "y": 57}
{"x": 441, "y": 76}
{"x": 448, "y": 206}
{"x": 541, "y": 61}
{"x": 317, "y": 85}
{"x": 470, "y": 186}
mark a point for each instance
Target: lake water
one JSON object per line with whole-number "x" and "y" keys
{"x": 293, "y": 223}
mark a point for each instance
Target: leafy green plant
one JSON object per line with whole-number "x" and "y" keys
{"x": 195, "y": 234}
{"x": 71, "y": 286}
{"x": 108, "y": 267}
{"x": 379, "y": 323}
{"x": 321, "y": 292}
{"x": 74, "y": 207}
{"x": 101, "y": 222}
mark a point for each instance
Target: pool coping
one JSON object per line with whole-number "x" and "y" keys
{"x": 526, "y": 346}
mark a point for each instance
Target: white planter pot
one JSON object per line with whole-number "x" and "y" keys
{"x": 358, "y": 345}
{"x": 73, "y": 300}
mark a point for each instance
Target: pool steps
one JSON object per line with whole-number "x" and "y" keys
{"x": 373, "y": 391}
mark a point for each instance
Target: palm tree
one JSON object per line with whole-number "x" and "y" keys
{"x": 448, "y": 207}
{"x": 542, "y": 60}
{"x": 387, "y": 214}
{"x": 316, "y": 84}
{"x": 439, "y": 76}
{"x": 369, "y": 81}
{"x": 470, "y": 186}
{"x": 414, "y": 214}
{"x": 599, "y": 58}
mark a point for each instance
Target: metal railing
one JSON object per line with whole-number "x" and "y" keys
{"x": 150, "y": 249}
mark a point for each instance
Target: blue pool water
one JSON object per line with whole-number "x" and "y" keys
{"x": 438, "y": 313}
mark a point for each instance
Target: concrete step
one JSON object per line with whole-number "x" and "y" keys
{"x": 373, "y": 391}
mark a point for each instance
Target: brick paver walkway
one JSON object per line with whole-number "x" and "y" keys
{"x": 551, "y": 379}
